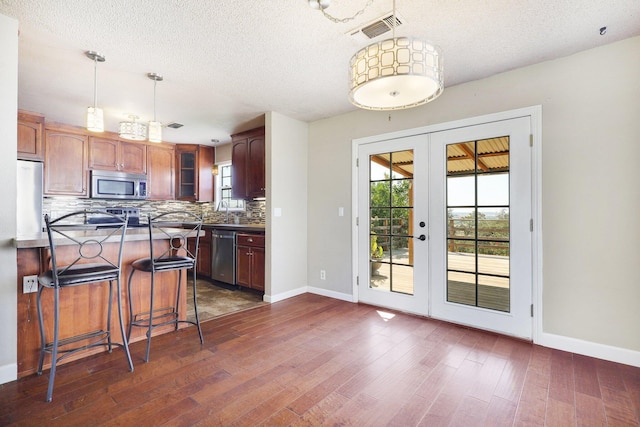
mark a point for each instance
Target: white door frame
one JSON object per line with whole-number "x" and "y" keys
{"x": 535, "y": 115}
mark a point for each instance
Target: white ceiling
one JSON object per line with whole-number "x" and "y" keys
{"x": 226, "y": 62}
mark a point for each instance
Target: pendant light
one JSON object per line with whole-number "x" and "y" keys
{"x": 396, "y": 73}
{"x": 155, "y": 127}
{"x": 132, "y": 130}
{"x": 95, "y": 117}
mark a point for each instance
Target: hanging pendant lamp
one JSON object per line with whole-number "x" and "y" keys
{"x": 396, "y": 73}
{"x": 95, "y": 116}
{"x": 132, "y": 130}
{"x": 155, "y": 127}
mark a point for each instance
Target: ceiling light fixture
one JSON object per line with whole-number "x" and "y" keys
{"x": 396, "y": 73}
{"x": 95, "y": 117}
{"x": 155, "y": 127}
{"x": 132, "y": 130}
{"x": 392, "y": 74}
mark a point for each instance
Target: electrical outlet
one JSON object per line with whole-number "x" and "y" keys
{"x": 323, "y": 275}
{"x": 29, "y": 284}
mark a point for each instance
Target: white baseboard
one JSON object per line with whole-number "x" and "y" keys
{"x": 311, "y": 290}
{"x": 8, "y": 373}
{"x": 285, "y": 295}
{"x": 330, "y": 294}
{"x": 591, "y": 349}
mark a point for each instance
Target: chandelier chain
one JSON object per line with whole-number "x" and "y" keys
{"x": 345, "y": 20}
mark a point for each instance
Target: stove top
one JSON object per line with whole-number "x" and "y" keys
{"x": 133, "y": 216}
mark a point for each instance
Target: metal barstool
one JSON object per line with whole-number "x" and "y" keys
{"x": 92, "y": 264}
{"x": 176, "y": 228}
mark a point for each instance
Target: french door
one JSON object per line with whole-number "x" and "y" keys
{"x": 444, "y": 225}
{"x": 393, "y": 226}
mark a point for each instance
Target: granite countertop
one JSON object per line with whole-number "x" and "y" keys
{"x": 41, "y": 240}
{"x": 255, "y": 228}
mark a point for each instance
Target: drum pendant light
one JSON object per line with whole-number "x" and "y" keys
{"x": 132, "y": 130}
{"x": 95, "y": 116}
{"x": 396, "y": 73}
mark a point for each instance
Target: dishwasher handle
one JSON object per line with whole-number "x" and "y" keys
{"x": 222, "y": 236}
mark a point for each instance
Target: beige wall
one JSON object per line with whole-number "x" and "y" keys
{"x": 286, "y": 178}
{"x": 8, "y": 129}
{"x": 590, "y": 187}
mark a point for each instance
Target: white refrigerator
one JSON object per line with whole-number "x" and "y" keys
{"x": 29, "y": 198}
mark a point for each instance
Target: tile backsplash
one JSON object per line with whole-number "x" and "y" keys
{"x": 253, "y": 214}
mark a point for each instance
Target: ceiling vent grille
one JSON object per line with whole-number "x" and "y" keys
{"x": 377, "y": 27}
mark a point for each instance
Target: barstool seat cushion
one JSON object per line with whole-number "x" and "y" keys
{"x": 161, "y": 264}
{"x": 80, "y": 274}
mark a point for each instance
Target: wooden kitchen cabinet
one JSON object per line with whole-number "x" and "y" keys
{"x": 250, "y": 261}
{"x": 65, "y": 163}
{"x": 203, "y": 263}
{"x": 30, "y": 130}
{"x": 160, "y": 172}
{"x": 194, "y": 181}
{"x": 247, "y": 162}
{"x": 116, "y": 155}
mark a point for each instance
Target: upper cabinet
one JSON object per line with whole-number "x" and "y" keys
{"x": 160, "y": 172}
{"x": 195, "y": 173}
{"x": 30, "y": 129}
{"x": 247, "y": 161}
{"x": 65, "y": 163}
{"x": 117, "y": 155}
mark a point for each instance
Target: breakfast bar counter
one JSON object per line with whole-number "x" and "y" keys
{"x": 33, "y": 257}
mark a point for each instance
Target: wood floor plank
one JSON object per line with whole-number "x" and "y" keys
{"x": 312, "y": 360}
{"x": 562, "y": 384}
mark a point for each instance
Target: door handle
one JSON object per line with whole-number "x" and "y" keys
{"x": 421, "y": 237}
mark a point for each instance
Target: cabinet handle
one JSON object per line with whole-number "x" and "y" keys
{"x": 249, "y": 239}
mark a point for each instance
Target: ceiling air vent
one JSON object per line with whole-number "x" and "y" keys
{"x": 174, "y": 125}
{"x": 377, "y": 27}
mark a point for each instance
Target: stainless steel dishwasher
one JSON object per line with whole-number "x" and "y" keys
{"x": 223, "y": 256}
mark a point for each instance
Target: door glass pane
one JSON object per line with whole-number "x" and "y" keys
{"x": 461, "y": 191}
{"x": 478, "y": 223}
{"x": 493, "y": 189}
{"x": 390, "y": 221}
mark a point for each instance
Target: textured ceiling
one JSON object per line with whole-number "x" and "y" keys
{"x": 226, "y": 62}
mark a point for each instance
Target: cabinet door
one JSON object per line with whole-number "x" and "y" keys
{"x": 103, "y": 153}
{"x": 132, "y": 157}
{"x": 203, "y": 263}
{"x": 256, "y": 180}
{"x": 204, "y": 259}
{"x": 160, "y": 173}
{"x": 65, "y": 164}
{"x": 243, "y": 266}
{"x": 186, "y": 188}
{"x": 30, "y": 137}
{"x": 257, "y": 269}
{"x": 206, "y": 159}
{"x": 239, "y": 160}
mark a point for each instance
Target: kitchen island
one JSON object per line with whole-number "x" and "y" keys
{"x": 82, "y": 302}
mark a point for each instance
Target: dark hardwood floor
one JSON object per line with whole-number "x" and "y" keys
{"x": 312, "y": 360}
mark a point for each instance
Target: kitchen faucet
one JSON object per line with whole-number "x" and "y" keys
{"x": 225, "y": 203}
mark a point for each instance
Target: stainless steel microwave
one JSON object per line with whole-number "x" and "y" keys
{"x": 118, "y": 185}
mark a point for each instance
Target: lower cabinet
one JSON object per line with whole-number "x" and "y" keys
{"x": 250, "y": 261}
{"x": 203, "y": 263}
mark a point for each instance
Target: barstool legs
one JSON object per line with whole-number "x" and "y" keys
{"x": 148, "y": 323}
{"x": 56, "y": 333}
{"x": 195, "y": 307}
